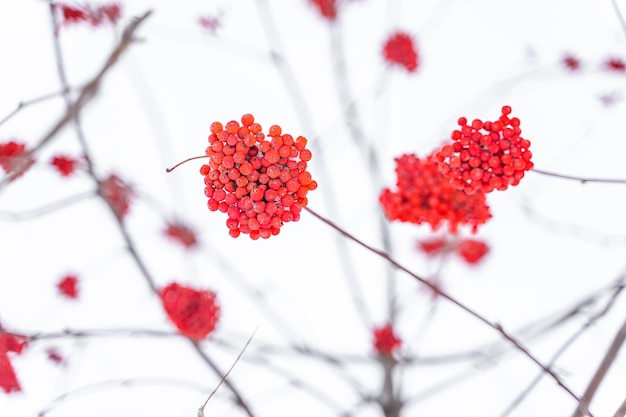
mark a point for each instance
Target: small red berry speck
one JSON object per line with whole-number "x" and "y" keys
{"x": 472, "y": 251}
{"x": 194, "y": 312}
{"x": 64, "y": 164}
{"x": 260, "y": 181}
{"x": 13, "y": 156}
{"x": 424, "y": 195}
{"x": 486, "y": 156}
{"x": 181, "y": 234}
{"x": 433, "y": 246}
{"x": 210, "y": 23}
{"x": 615, "y": 65}
{"x": 326, "y": 8}
{"x": 15, "y": 344}
{"x": 399, "y": 49}
{"x": 386, "y": 342}
{"x": 55, "y": 356}
{"x": 571, "y": 63}
{"x": 117, "y": 193}
{"x": 68, "y": 286}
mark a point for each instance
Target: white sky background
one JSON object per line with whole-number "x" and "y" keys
{"x": 154, "y": 109}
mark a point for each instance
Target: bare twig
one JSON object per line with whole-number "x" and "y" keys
{"x": 621, "y": 411}
{"x": 23, "y": 104}
{"x": 601, "y": 372}
{"x": 579, "y": 179}
{"x": 495, "y": 326}
{"x": 86, "y": 94}
{"x": 48, "y": 208}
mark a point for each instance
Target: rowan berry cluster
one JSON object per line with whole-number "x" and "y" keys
{"x": 485, "y": 156}
{"x": 424, "y": 195}
{"x": 194, "y": 312}
{"x": 260, "y": 182}
{"x": 399, "y": 49}
{"x": 66, "y": 165}
{"x": 13, "y": 155}
{"x": 9, "y": 343}
{"x": 386, "y": 342}
{"x": 117, "y": 193}
{"x": 181, "y": 234}
{"x": 471, "y": 251}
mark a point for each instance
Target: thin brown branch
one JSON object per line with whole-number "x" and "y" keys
{"x": 601, "y": 372}
{"x": 495, "y": 326}
{"x": 621, "y": 411}
{"x": 47, "y": 209}
{"x": 23, "y": 104}
{"x": 87, "y": 93}
{"x": 582, "y": 180}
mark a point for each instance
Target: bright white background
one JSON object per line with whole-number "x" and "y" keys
{"x": 553, "y": 241}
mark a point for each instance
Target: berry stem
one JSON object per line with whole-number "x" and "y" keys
{"x": 581, "y": 179}
{"x": 182, "y": 162}
{"x": 497, "y": 327}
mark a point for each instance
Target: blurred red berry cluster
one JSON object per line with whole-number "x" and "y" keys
{"x": 327, "y": 8}
{"x": 471, "y": 250}
{"x": 424, "y": 195}
{"x": 182, "y": 234}
{"x": 486, "y": 156}
{"x": 13, "y": 155}
{"x": 117, "y": 193}
{"x": 399, "y": 49}
{"x": 94, "y": 16}
{"x": 15, "y": 344}
{"x": 260, "y": 182}
{"x": 386, "y": 342}
{"x": 195, "y": 313}
{"x": 64, "y": 164}
{"x": 68, "y": 286}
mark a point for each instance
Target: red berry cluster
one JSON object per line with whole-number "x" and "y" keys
{"x": 424, "y": 195}
{"x": 260, "y": 182}
{"x": 181, "y": 234}
{"x": 615, "y": 64}
{"x": 471, "y": 250}
{"x": 66, "y": 165}
{"x": 9, "y": 343}
{"x": 486, "y": 156}
{"x": 68, "y": 286}
{"x": 12, "y": 155}
{"x": 400, "y": 50}
{"x": 195, "y": 313}
{"x": 386, "y": 342}
{"x": 117, "y": 193}
{"x": 74, "y": 14}
{"x": 327, "y": 8}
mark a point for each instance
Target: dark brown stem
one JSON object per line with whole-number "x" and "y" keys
{"x": 182, "y": 162}
{"x": 495, "y": 326}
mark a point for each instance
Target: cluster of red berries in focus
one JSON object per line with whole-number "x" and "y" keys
{"x": 260, "y": 181}
{"x": 424, "y": 195}
{"x": 66, "y": 165}
{"x": 386, "y": 342}
{"x": 13, "y": 155}
{"x": 471, "y": 250}
{"x": 327, "y": 8}
{"x": 181, "y": 234}
{"x": 117, "y": 193}
{"x": 94, "y": 16}
{"x": 9, "y": 343}
{"x": 194, "y": 312}
{"x": 399, "y": 49}
{"x": 68, "y": 286}
{"x": 485, "y": 156}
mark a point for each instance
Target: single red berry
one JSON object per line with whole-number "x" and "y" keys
{"x": 399, "y": 49}
{"x": 615, "y": 65}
